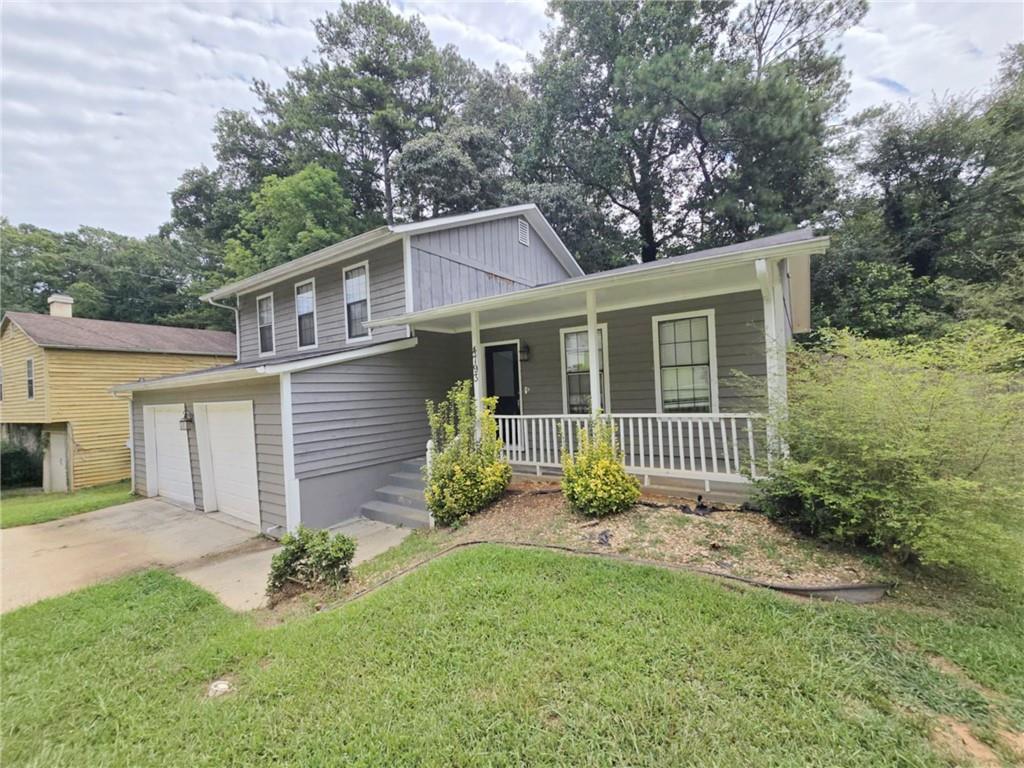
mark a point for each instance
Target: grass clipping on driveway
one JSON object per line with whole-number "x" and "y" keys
{"x": 500, "y": 656}
{"x": 28, "y": 508}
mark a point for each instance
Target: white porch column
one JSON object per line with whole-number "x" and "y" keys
{"x": 478, "y": 360}
{"x": 593, "y": 356}
{"x": 769, "y": 277}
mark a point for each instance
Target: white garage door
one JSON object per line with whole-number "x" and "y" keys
{"x": 227, "y": 438}
{"x": 168, "y": 468}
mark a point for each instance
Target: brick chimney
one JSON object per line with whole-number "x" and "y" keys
{"x": 60, "y": 305}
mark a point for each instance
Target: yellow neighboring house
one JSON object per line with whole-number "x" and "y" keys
{"x": 55, "y": 380}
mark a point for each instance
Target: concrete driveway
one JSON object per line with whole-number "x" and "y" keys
{"x": 49, "y": 559}
{"x": 211, "y": 551}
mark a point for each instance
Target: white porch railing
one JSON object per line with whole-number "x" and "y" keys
{"x": 708, "y": 446}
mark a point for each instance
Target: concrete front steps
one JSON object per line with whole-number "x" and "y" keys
{"x": 400, "y": 502}
{"x": 372, "y": 536}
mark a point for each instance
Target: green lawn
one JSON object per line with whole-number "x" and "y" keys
{"x": 496, "y": 656}
{"x": 28, "y": 508}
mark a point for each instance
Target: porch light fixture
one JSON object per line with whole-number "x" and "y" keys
{"x": 186, "y": 420}
{"x": 524, "y": 353}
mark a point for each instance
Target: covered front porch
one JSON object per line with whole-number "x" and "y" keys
{"x": 686, "y": 358}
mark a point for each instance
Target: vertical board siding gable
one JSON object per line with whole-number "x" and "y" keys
{"x": 478, "y": 260}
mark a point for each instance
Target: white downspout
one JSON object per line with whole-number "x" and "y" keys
{"x": 238, "y": 336}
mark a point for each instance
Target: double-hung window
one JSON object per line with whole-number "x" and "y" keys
{"x": 305, "y": 313}
{"x": 357, "y": 301}
{"x": 576, "y": 362}
{"x": 265, "y": 323}
{"x": 30, "y": 379}
{"x": 685, "y": 367}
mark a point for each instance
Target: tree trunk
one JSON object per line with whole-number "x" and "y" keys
{"x": 649, "y": 248}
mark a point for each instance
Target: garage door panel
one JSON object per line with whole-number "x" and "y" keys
{"x": 231, "y": 459}
{"x": 168, "y": 454}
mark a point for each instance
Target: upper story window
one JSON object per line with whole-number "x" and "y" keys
{"x": 685, "y": 366}
{"x": 576, "y": 362}
{"x": 265, "y": 322}
{"x": 357, "y": 301}
{"x": 1, "y": 383}
{"x": 524, "y": 232}
{"x": 305, "y": 313}
{"x": 30, "y": 379}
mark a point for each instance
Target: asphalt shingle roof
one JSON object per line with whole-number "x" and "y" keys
{"x": 112, "y": 336}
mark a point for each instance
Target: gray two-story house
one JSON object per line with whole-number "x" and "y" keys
{"x": 322, "y": 418}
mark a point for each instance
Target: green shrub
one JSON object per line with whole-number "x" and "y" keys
{"x": 466, "y": 471}
{"x": 311, "y": 558}
{"x": 594, "y": 480}
{"x": 19, "y": 466}
{"x": 913, "y": 447}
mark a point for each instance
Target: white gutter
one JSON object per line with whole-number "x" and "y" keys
{"x": 612, "y": 277}
{"x": 215, "y": 376}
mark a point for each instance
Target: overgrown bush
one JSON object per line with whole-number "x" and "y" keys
{"x": 911, "y": 447}
{"x": 311, "y": 558}
{"x": 594, "y": 479}
{"x": 466, "y": 472}
{"x": 20, "y": 466}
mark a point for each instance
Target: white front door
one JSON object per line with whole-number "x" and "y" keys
{"x": 226, "y": 434}
{"x": 168, "y": 465}
{"x": 55, "y": 467}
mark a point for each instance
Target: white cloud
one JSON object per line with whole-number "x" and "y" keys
{"x": 105, "y": 104}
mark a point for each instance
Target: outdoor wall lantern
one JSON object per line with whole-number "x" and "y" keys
{"x": 524, "y": 353}
{"x": 186, "y": 420}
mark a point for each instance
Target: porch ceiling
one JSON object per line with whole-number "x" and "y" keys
{"x": 570, "y": 299}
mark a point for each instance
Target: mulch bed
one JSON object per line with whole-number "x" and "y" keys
{"x": 728, "y": 541}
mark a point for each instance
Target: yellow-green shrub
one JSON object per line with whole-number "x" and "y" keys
{"x": 466, "y": 472}
{"x": 911, "y": 447}
{"x": 594, "y": 480}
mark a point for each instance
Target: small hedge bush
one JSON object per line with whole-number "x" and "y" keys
{"x": 20, "y": 467}
{"x": 910, "y": 447}
{"x": 594, "y": 480}
{"x": 466, "y": 473}
{"x": 311, "y": 558}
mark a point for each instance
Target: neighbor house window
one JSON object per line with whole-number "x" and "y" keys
{"x": 357, "y": 301}
{"x": 265, "y": 322}
{"x": 576, "y": 362}
{"x": 30, "y": 379}
{"x": 305, "y": 313}
{"x": 1, "y": 383}
{"x": 684, "y": 362}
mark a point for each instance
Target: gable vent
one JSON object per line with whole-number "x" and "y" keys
{"x": 524, "y": 232}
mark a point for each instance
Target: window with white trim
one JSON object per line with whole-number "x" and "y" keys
{"x": 576, "y": 361}
{"x": 357, "y": 301}
{"x": 305, "y": 313}
{"x": 30, "y": 379}
{"x": 685, "y": 363}
{"x": 265, "y": 323}
{"x": 1, "y": 383}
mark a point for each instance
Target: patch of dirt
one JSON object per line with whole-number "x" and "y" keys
{"x": 947, "y": 667}
{"x": 955, "y": 739}
{"x": 1014, "y": 740}
{"x": 727, "y": 541}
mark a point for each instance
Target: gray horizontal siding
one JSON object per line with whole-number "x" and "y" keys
{"x": 387, "y": 297}
{"x": 266, "y": 398}
{"x": 739, "y": 324}
{"x": 479, "y": 260}
{"x": 371, "y": 411}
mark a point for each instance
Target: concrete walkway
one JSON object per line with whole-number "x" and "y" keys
{"x": 49, "y": 559}
{"x": 239, "y": 579}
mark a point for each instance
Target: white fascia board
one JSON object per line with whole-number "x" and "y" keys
{"x": 339, "y": 357}
{"x": 354, "y": 246}
{"x": 179, "y": 382}
{"x": 604, "y": 279}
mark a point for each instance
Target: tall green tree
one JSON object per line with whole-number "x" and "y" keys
{"x": 687, "y": 139}
{"x": 290, "y": 217}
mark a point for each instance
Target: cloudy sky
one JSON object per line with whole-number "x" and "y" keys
{"x": 105, "y": 104}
